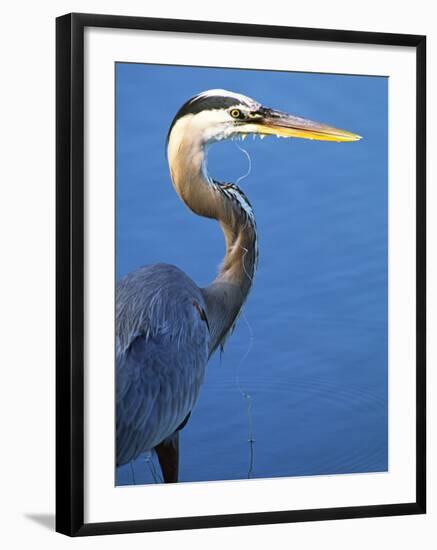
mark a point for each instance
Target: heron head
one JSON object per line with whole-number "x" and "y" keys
{"x": 215, "y": 115}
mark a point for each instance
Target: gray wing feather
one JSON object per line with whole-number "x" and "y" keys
{"x": 162, "y": 351}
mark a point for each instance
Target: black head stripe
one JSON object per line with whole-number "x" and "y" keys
{"x": 201, "y": 103}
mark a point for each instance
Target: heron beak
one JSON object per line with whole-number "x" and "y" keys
{"x": 285, "y": 125}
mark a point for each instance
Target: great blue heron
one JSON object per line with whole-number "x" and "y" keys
{"x": 166, "y": 326}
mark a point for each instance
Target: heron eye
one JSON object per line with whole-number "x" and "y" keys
{"x": 236, "y": 113}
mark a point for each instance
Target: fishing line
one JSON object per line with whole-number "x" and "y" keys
{"x": 133, "y": 473}
{"x": 244, "y": 263}
{"x": 151, "y": 464}
{"x": 244, "y": 394}
{"x": 247, "y": 397}
{"x": 249, "y": 170}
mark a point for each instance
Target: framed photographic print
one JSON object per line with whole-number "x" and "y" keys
{"x": 240, "y": 322}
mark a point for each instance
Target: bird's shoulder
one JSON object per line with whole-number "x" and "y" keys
{"x": 161, "y": 303}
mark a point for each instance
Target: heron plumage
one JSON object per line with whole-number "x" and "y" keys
{"x": 162, "y": 350}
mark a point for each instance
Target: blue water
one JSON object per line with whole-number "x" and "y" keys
{"x": 311, "y": 348}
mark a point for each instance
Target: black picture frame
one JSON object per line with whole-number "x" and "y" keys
{"x": 70, "y": 273}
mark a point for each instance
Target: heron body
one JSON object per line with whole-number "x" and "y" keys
{"x": 166, "y": 326}
{"x": 160, "y": 359}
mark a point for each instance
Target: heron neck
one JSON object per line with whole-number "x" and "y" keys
{"x": 227, "y": 293}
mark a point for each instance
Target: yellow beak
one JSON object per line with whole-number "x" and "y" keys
{"x": 285, "y": 125}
